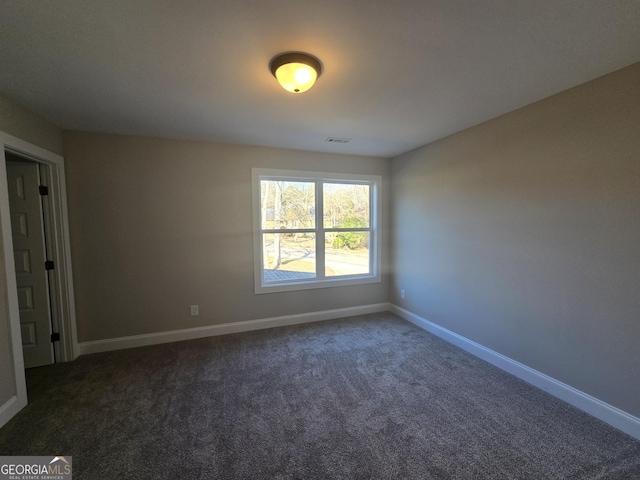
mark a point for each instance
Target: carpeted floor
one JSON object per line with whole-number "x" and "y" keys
{"x": 369, "y": 397}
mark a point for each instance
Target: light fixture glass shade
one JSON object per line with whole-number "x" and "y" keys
{"x": 296, "y": 71}
{"x": 296, "y": 77}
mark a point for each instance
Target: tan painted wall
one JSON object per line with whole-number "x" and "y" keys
{"x": 158, "y": 225}
{"x": 21, "y": 123}
{"x": 523, "y": 234}
{"x": 26, "y": 125}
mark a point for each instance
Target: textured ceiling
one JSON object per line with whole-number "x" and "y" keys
{"x": 397, "y": 74}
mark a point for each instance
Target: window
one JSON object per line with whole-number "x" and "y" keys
{"x": 314, "y": 230}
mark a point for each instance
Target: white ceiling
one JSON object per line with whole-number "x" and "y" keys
{"x": 397, "y": 74}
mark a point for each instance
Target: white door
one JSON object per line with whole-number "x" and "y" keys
{"x": 27, "y": 228}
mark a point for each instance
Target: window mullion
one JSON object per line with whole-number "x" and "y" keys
{"x": 287, "y": 230}
{"x": 320, "y": 257}
{"x": 354, "y": 229}
{"x": 373, "y": 226}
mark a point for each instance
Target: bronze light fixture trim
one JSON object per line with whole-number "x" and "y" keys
{"x": 295, "y": 71}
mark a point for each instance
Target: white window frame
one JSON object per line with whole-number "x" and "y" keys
{"x": 321, "y": 281}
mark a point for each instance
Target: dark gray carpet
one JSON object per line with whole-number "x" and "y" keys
{"x": 366, "y": 397}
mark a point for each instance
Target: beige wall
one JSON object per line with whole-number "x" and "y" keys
{"x": 26, "y": 125}
{"x": 523, "y": 234}
{"x": 21, "y": 123}
{"x": 158, "y": 225}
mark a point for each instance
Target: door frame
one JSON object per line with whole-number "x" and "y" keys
{"x": 63, "y": 303}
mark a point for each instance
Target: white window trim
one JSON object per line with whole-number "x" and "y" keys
{"x": 374, "y": 249}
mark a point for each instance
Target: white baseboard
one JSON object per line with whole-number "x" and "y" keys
{"x": 10, "y": 408}
{"x": 225, "y": 328}
{"x": 607, "y": 413}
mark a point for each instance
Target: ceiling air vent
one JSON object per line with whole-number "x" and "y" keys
{"x": 337, "y": 140}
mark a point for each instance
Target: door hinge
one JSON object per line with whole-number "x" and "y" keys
{"x": 48, "y": 265}
{"x": 44, "y": 190}
{"x": 55, "y": 337}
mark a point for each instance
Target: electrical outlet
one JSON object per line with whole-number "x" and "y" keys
{"x": 402, "y": 294}
{"x": 194, "y": 310}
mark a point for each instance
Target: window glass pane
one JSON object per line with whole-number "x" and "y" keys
{"x": 285, "y": 204}
{"x": 288, "y": 256}
{"x": 346, "y": 253}
{"x": 346, "y": 205}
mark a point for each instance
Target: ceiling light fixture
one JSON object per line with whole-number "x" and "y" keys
{"x": 295, "y": 71}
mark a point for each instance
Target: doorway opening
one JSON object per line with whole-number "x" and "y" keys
{"x": 17, "y": 259}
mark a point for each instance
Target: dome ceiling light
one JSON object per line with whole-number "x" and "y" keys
{"x": 296, "y": 71}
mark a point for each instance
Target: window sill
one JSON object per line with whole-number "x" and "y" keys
{"x": 315, "y": 284}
